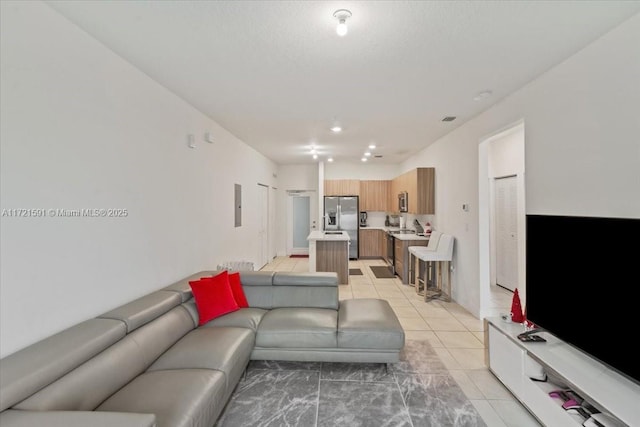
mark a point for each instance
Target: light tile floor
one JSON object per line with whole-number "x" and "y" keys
{"x": 455, "y": 334}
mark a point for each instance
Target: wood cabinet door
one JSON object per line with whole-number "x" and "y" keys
{"x": 341, "y": 187}
{"x": 368, "y": 243}
{"x": 411, "y": 187}
{"x": 382, "y": 242}
{"x": 398, "y": 260}
{"x": 393, "y": 196}
{"x": 425, "y": 191}
{"x": 374, "y": 195}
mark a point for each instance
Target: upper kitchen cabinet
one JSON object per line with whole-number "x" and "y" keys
{"x": 420, "y": 186}
{"x": 342, "y": 187}
{"x": 374, "y": 195}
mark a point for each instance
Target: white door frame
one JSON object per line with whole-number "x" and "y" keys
{"x": 264, "y": 229}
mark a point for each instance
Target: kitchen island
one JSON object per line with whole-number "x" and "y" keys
{"x": 329, "y": 251}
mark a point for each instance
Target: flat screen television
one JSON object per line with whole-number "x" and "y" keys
{"x": 583, "y": 275}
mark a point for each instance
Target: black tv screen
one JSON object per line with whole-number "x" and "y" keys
{"x": 583, "y": 275}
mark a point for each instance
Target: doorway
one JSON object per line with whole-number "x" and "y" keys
{"x": 301, "y": 215}
{"x": 302, "y": 219}
{"x": 501, "y": 189}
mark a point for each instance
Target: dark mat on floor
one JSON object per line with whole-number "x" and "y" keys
{"x": 382, "y": 272}
{"x": 355, "y": 272}
{"x": 298, "y": 256}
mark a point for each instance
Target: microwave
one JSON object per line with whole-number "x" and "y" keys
{"x": 403, "y": 202}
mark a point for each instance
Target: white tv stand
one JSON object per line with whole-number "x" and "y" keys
{"x": 513, "y": 362}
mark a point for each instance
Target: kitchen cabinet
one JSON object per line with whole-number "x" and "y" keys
{"x": 419, "y": 184}
{"x": 333, "y": 256}
{"x": 401, "y": 257}
{"x": 372, "y": 243}
{"x": 374, "y": 195}
{"x": 342, "y": 187}
{"x": 382, "y": 236}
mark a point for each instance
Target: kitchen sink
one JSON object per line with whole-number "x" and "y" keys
{"x": 403, "y": 231}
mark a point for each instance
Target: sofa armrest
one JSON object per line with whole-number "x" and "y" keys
{"x": 16, "y": 418}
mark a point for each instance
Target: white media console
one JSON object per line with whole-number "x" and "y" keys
{"x": 515, "y": 363}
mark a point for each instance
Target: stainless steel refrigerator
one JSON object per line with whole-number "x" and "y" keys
{"x": 341, "y": 213}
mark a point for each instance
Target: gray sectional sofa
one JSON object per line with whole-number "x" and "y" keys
{"x": 148, "y": 363}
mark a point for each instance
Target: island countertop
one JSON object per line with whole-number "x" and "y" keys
{"x": 322, "y": 235}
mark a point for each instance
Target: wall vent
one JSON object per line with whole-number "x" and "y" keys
{"x": 378, "y": 156}
{"x": 449, "y": 119}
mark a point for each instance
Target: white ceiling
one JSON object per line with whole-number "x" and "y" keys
{"x": 276, "y": 75}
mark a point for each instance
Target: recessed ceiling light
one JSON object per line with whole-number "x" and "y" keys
{"x": 315, "y": 156}
{"x": 330, "y": 159}
{"x": 482, "y": 95}
{"x": 372, "y": 146}
{"x": 367, "y": 154}
{"x": 364, "y": 159}
{"x": 313, "y": 151}
{"x": 336, "y": 129}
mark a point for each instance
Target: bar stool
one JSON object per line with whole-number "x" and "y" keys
{"x": 416, "y": 266}
{"x": 442, "y": 255}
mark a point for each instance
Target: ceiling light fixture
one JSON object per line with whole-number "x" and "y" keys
{"x": 336, "y": 129}
{"x": 372, "y": 146}
{"x": 342, "y": 15}
{"x": 364, "y": 159}
{"x": 330, "y": 159}
{"x": 315, "y": 156}
{"x": 367, "y": 154}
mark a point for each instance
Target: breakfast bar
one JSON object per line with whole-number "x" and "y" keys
{"x": 329, "y": 251}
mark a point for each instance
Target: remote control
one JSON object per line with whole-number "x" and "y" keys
{"x": 531, "y": 338}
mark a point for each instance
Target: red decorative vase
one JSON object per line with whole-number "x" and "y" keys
{"x": 516, "y": 308}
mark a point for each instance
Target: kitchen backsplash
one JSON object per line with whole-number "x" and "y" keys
{"x": 377, "y": 219}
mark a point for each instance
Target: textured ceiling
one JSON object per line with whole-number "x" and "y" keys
{"x": 276, "y": 75}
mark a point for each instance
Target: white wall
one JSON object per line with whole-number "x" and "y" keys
{"x": 362, "y": 171}
{"x": 82, "y": 128}
{"x": 582, "y": 154}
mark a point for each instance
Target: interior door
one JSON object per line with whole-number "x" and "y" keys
{"x": 506, "y": 210}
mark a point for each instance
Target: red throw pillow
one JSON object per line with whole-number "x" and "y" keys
{"x": 238, "y": 291}
{"x": 213, "y": 297}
